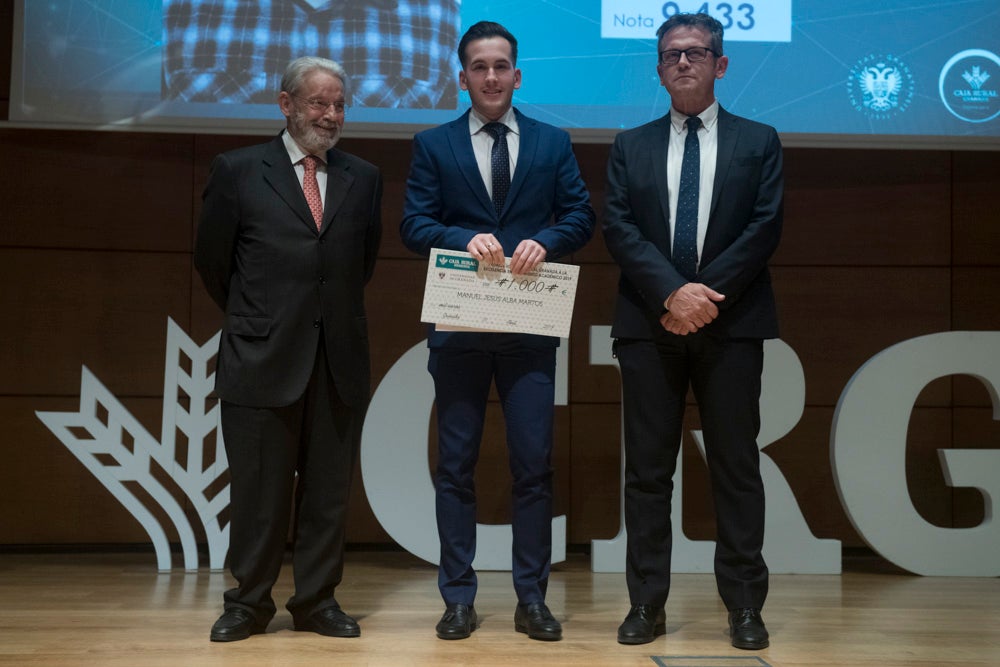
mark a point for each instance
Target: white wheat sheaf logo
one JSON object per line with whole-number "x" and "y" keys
{"x": 123, "y": 455}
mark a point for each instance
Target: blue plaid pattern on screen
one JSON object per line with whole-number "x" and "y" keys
{"x": 397, "y": 53}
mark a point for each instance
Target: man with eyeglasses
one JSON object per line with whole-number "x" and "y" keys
{"x": 286, "y": 242}
{"x": 693, "y": 214}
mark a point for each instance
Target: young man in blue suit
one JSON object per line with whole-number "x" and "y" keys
{"x": 694, "y": 212}
{"x": 459, "y": 197}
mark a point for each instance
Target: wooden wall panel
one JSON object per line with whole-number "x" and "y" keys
{"x": 393, "y": 300}
{"x": 363, "y": 527}
{"x": 593, "y": 159}
{"x": 879, "y": 247}
{"x": 972, "y": 428}
{"x": 62, "y": 309}
{"x": 975, "y": 306}
{"x": 839, "y": 317}
{"x": 594, "y": 307}
{"x": 106, "y": 191}
{"x": 930, "y": 429}
{"x": 976, "y": 216}
{"x": 866, "y": 208}
{"x": 48, "y": 496}
{"x": 595, "y": 469}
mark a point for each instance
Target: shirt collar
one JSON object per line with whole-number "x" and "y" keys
{"x": 476, "y": 122}
{"x": 295, "y": 151}
{"x": 708, "y": 117}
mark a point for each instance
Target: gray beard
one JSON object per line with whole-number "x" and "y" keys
{"x": 311, "y": 140}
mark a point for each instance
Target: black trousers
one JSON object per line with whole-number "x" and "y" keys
{"x": 315, "y": 439}
{"x": 725, "y": 376}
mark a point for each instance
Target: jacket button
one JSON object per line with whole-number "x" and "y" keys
{"x": 322, "y": 281}
{"x": 316, "y": 323}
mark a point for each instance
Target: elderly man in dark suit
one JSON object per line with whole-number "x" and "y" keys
{"x": 495, "y": 182}
{"x": 287, "y": 240}
{"x": 694, "y": 212}
{"x": 398, "y": 52}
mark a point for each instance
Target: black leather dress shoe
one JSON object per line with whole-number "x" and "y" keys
{"x": 537, "y": 622}
{"x": 236, "y": 624}
{"x": 458, "y": 622}
{"x": 746, "y": 629}
{"x": 330, "y": 622}
{"x": 642, "y": 624}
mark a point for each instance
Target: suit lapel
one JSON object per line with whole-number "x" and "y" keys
{"x": 728, "y": 137}
{"x": 338, "y": 182}
{"x": 280, "y": 175}
{"x": 465, "y": 158}
{"x": 527, "y": 130}
{"x": 657, "y": 147}
{"x": 729, "y": 133}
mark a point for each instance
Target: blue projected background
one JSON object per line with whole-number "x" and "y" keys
{"x": 893, "y": 72}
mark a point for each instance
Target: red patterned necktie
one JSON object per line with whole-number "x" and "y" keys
{"x": 311, "y": 188}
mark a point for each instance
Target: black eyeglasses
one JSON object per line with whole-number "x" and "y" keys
{"x": 320, "y": 105}
{"x": 695, "y": 54}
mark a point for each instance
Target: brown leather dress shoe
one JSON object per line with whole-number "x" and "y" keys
{"x": 235, "y": 624}
{"x": 330, "y": 622}
{"x": 642, "y": 624}
{"x": 458, "y": 622}
{"x": 537, "y": 622}
{"x": 746, "y": 629}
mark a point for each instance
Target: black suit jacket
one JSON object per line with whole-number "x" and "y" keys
{"x": 744, "y": 227}
{"x": 281, "y": 282}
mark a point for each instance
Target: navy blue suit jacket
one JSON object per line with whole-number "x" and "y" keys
{"x": 744, "y": 227}
{"x": 447, "y": 202}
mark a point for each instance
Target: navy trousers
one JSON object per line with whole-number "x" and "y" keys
{"x": 525, "y": 381}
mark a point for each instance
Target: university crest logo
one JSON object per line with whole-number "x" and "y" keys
{"x": 880, "y": 86}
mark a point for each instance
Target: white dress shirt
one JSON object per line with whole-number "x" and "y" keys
{"x": 482, "y": 144}
{"x": 708, "y": 139}
{"x": 296, "y": 154}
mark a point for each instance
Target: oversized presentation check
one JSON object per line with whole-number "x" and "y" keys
{"x": 463, "y": 294}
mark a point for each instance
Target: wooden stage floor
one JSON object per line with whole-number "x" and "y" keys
{"x": 114, "y": 610}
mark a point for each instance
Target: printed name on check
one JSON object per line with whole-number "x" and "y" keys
{"x": 462, "y": 294}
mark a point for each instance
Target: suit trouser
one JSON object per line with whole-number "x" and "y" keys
{"x": 525, "y": 381}
{"x": 725, "y": 377}
{"x": 316, "y": 438}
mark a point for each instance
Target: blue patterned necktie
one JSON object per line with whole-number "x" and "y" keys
{"x": 685, "y": 252}
{"x": 499, "y": 164}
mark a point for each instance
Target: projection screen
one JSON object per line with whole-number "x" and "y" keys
{"x": 883, "y": 74}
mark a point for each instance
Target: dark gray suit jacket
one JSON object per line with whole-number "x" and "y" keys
{"x": 743, "y": 229}
{"x": 281, "y": 282}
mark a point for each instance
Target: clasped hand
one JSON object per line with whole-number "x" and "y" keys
{"x": 691, "y": 307}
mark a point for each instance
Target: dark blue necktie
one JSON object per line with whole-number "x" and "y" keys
{"x": 685, "y": 252}
{"x": 499, "y": 164}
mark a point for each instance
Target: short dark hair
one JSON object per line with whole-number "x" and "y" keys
{"x": 485, "y": 30}
{"x": 703, "y": 21}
